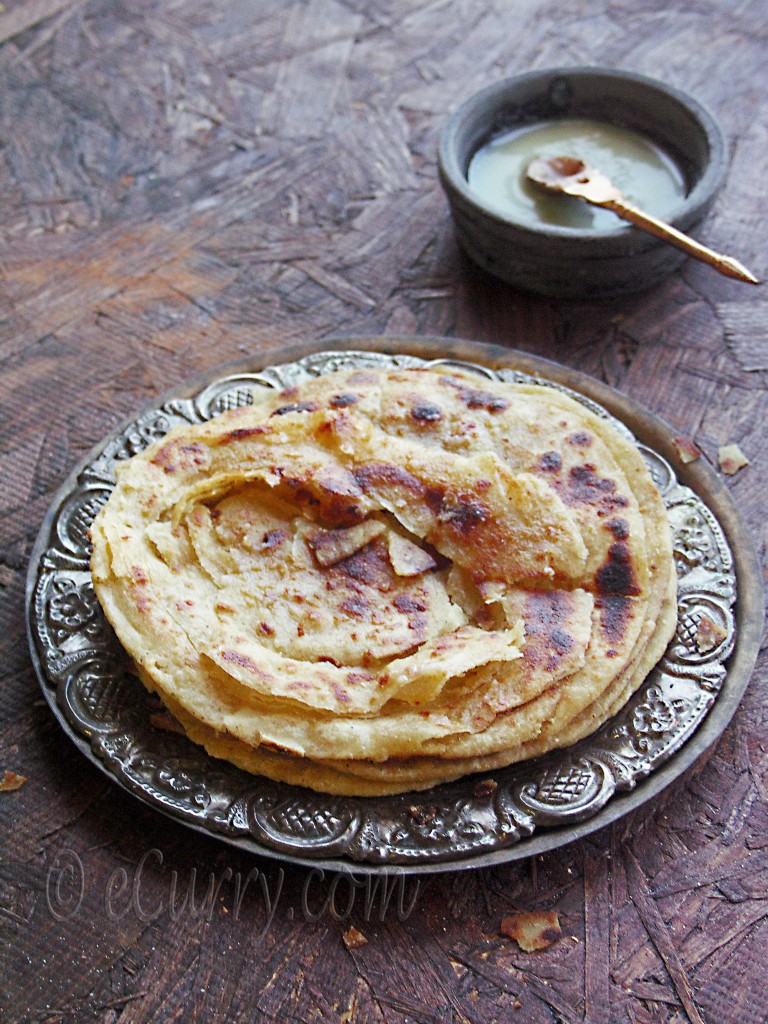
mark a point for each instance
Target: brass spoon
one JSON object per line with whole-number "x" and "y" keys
{"x": 573, "y": 177}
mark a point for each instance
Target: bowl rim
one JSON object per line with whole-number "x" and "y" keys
{"x": 688, "y": 210}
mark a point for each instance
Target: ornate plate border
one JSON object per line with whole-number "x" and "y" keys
{"x": 534, "y": 806}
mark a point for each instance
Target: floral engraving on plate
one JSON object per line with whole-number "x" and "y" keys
{"x": 88, "y": 682}
{"x": 73, "y": 610}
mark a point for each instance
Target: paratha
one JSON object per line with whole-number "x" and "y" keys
{"x": 381, "y": 580}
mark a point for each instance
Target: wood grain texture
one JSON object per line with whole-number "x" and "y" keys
{"x": 183, "y": 183}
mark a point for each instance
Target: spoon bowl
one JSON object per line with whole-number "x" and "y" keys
{"x": 571, "y": 176}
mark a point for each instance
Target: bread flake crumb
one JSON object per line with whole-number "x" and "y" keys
{"x": 731, "y": 459}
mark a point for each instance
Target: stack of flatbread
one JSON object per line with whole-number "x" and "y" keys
{"x": 383, "y": 580}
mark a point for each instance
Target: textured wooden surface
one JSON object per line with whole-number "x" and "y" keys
{"x": 182, "y": 183}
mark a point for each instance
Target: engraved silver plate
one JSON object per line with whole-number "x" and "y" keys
{"x": 534, "y": 806}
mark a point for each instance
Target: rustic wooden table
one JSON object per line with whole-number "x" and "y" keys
{"x": 185, "y": 183}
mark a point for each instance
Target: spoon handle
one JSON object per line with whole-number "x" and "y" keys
{"x": 725, "y": 264}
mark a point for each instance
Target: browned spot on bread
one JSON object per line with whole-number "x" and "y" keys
{"x": 466, "y": 515}
{"x": 274, "y": 538}
{"x": 475, "y": 398}
{"x": 585, "y": 487}
{"x": 300, "y": 492}
{"x": 332, "y": 492}
{"x": 619, "y": 528}
{"x": 174, "y": 456}
{"x": 561, "y": 641}
{"x": 434, "y": 497}
{"x": 342, "y": 401}
{"x": 339, "y": 483}
{"x": 338, "y": 493}
{"x": 547, "y": 639}
{"x": 192, "y": 453}
{"x": 415, "y": 610}
{"x": 242, "y": 434}
{"x": 357, "y": 607}
{"x": 616, "y": 576}
{"x": 426, "y": 412}
{"x": 243, "y": 661}
{"x": 165, "y": 457}
{"x": 374, "y": 474}
{"x": 341, "y": 695}
{"x": 615, "y": 614}
{"x": 296, "y": 407}
{"x": 406, "y": 603}
{"x": 370, "y": 566}
{"x": 579, "y": 439}
{"x": 550, "y": 462}
{"x": 359, "y": 677}
{"x": 332, "y": 546}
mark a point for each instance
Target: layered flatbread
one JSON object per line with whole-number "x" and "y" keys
{"x": 381, "y": 580}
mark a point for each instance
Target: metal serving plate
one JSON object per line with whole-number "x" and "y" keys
{"x": 681, "y": 708}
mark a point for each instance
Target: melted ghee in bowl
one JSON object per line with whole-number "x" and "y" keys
{"x": 645, "y": 173}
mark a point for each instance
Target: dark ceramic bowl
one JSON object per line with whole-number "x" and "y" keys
{"x": 574, "y": 262}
